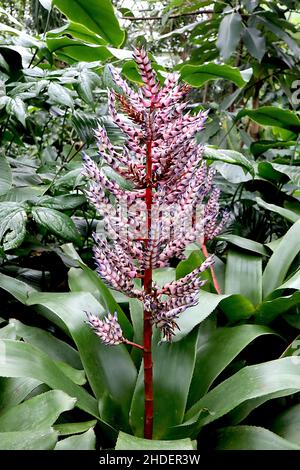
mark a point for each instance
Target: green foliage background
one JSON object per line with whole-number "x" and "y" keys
{"x": 231, "y": 378}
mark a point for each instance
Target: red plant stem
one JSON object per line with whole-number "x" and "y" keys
{"x": 213, "y": 274}
{"x": 135, "y": 345}
{"x": 148, "y": 368}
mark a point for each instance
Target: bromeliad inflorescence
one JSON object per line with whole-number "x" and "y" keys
{"x": 170, "y": 203}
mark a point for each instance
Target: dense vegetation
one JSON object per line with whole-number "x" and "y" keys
{"x": 231, "y": 378}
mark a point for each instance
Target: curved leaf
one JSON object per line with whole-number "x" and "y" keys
{"x": 286, "y": 213}
{"x": 228, "y": 156}
{"x": 127, "y": 442}
{"x": 196, "y": 75}
{"x": 262, "y": 380}
{"x": 219, "y": 349}
{"x": 99, "y": 18}
{"x": 287, "y": 424}
{"x": 281, "y": 259}
{"x": 229, "y": 34}
{"x": 244, "y": 275}
{"x": 44, "y": 439}
{"x": 39, "y": 412}
{"x": 245, "y": 243}
{"x": 5, "y": 176}
{"x": 56, "y": 222}
{"x": 85, "y": 441}
{"x": 20, "y": 359}
{"x": 251, "y": 438}
{"x": 98, "y": 360}
{"x": 13, "y": 220}
{"x": 272, "y": 116}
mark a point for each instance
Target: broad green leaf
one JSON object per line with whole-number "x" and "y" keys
{"x": 25, "y": 193}
{"x": 64, "y": 202}
{"x": 286, "y": 213}
{"x": 251, "y": 438}
{"x": 173, "y": 369}
{"x": 192, "y": 316}
{"x": 98, "y": 360}
{"x": 39, "y": 412}
{"x": 262, "y": 380}
{"x": 229, "y": 34}
{"x": 127, "y": 442}
{"x": 287, "y": 424}
{"x": 74, "y": 50}
{"x": 78, "y": 31}
{"x": 44, "y": 439}
{"x": 281, "y": 259}
{"x": 292, "y": 171}
{"x": 245, "y": 243}
{"x": 262, "y": 146}
{"x": 197, "y": 75}
{"x": 99, "y": 18}
{"x": 88, "y": 280}
{"x": 268, "y": 20}
{"x": 56, "y": 222}
{"x": 17, "y": 107}
{"x": 272, "y": 116}
{"x": 237, "y": 308}
{"x": 244, "y": 275}
{"x": 228, "y": 156}
{"x": 12, "y": 224}
{"x": 130, "y": 71}
{"x": 80, "y": 281}
{"x": 85, "y": 441}
{"x": 66, "y": 429}
{"x": 254, "y": 42}
{"x": 19, "y": 289}
{"x": 60, "y": 95}
{"x": 55, "y": 348}
{"x": 20, "y": 359}
{"x": 268, "y": 310}
{"x": 13, "y": 390}
{"x": 293, "y": 282}
{"x": 265, "y": 170}
{"x": 87, "y": 80}
{"x": 217, "y": 352}
{"x": 5, "y": 176}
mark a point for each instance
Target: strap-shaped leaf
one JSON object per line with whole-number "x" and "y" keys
{"x": 251, "y": 438}
{"x": 279, "y": 263}
{"x": 39, "y": 412}
{"x": 127, "y": 442}
{"x": 217, "y": 352}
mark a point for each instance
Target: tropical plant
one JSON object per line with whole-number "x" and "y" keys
{"x": 229, "y": 379}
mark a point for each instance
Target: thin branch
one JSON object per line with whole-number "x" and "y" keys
{"x": 158, "y": 18}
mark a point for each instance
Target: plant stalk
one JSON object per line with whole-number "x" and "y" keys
{"x": 213, "y": 274}
{"x": 148, "y": 367}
